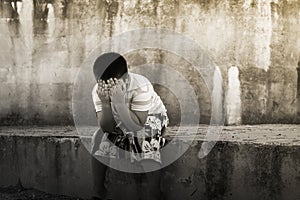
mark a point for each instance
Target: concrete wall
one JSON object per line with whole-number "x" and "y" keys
{"x": 244, "y": 167}
{"x": 43, "y": 44}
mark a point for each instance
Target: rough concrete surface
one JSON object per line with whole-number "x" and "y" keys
{"x": 249, "y": 162}
{"x": 44, "y": 43}
{"x": 17, "y": 193}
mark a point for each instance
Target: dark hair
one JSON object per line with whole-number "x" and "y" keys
{"x": 109, "y": 65}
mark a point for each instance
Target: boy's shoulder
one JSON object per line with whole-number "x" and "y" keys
{"x": 138, "y": 77}
{"x": 137, "y": 80}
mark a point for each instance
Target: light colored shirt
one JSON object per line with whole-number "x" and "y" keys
{"x": 139, "y": 93}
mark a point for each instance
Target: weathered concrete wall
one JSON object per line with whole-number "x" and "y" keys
{"x": 43, "y": 44}
{"x": 260, "y": 162}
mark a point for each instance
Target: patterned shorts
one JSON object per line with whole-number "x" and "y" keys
{"x": 144, "y": 144}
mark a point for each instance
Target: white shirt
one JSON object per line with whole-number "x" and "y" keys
{"x": 140, "y": 94}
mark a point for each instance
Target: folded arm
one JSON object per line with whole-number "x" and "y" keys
{"x": 131, "y": 119}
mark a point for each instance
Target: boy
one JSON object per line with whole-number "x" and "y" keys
{"x": 131, "y": 116}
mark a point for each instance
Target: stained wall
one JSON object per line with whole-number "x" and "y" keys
{"x": 44, "y": 43}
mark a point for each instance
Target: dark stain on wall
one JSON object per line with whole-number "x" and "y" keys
{"x": 266, "y": 166}
{"x": 40, "y": 16}
{"x": 13, "y": 118}
{"x": 265, "y": 95}
{"x": 221, "y": 158}
{"x": 57, "y": 162}
{"x": 111, "y": 11}
{"x": 9, "y": 9}
{"x": 298, "y": 92}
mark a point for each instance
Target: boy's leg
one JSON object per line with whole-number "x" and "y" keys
{"x": 98, "y": 173}
{"x": 98, "y": 168}
{"x": 151, "y": 180}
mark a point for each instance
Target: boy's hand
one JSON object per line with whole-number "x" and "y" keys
{"x": 102, "y": 91}
{"x": 118, "y": 94}
{"x": 118, "y": 100}
{"x": 111, "y": 84}
{"x": 105, "y": 89}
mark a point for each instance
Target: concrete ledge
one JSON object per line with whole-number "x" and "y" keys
{"x": 250, "y": 162}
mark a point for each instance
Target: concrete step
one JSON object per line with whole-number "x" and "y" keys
{"x": 248, "y": 162}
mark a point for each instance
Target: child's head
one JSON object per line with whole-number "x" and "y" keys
{"x": 109, "y": 65}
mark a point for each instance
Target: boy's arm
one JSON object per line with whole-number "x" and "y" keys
{"x": 141, "y": 117}
{"x": 102, "y": 104}
{"x": 105, "y": 118}
{"x": 131, "y": 119}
